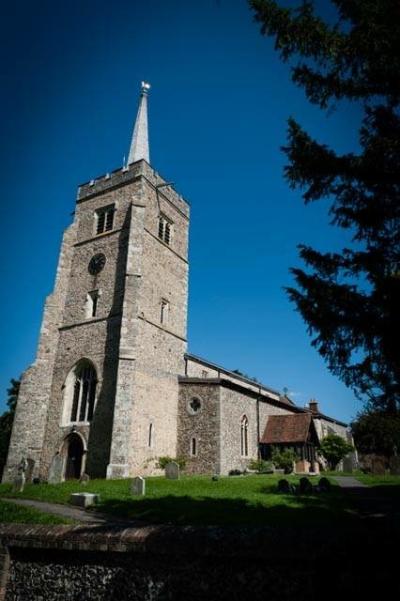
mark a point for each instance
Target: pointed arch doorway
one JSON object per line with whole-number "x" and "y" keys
{"x": 74, "y": 457}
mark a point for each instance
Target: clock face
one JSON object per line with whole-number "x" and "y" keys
{"x": 96, "y": 263}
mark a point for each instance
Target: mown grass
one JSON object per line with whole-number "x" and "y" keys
{"x": 250, "y": 500}
{"x": 26, "y": 515}
{"x": 374, "y": 480}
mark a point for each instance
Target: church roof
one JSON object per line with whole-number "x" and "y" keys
{"x": 287, "y": 428}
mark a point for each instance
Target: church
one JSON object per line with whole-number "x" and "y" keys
{"x": 113, "y": 387}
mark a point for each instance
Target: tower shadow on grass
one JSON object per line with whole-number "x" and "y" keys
{"x": 186, "y": 510}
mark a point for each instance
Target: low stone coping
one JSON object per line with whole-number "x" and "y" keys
{"x": 268, "y": 542}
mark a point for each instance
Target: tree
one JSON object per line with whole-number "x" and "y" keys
{"x": 350, "y": 299}
{"x": 334, "y": 448}
{"x": 377, "y": 432}
{"x": 6, "y": 421}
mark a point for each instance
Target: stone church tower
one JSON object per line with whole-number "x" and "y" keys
{"x": 102, "y": 394}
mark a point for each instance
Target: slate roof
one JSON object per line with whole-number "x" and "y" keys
{"x": 287, "y": 428}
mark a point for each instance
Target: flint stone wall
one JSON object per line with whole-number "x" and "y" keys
{"x": 160, "y": 563}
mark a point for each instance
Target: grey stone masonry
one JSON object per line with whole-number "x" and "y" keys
{"x": 135, "y": 352}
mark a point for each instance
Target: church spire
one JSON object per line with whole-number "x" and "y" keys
{"x": 140, "y": 139}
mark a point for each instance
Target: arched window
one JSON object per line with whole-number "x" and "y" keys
{"x": 150, "y": 435}
{"x": 244, "y": 440}
{"x": 80, "y": 393}
{"x": 193, "y": 447}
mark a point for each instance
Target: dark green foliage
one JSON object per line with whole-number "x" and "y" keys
{"x": 283, "y": 459}
{"x": 377, "y": 432}
{"x": 349, "y": 299}
{"x": 235, "y": 473}
{"x": 334, "y": 448}
{"x": 261, "y": 466}
{"x": 163, "y": 461}
{"x": 6, "y": 422}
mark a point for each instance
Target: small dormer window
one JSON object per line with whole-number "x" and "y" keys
{"x": 164, "y": 229}
{"x": 104, "y": 219}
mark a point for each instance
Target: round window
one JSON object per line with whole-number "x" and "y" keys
{"x": 96, "y": 263}
{"x": 194, "y": 406}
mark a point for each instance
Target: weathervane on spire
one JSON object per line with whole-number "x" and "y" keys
{"x": 145, "y": 87}
{"x": 140, "y": 139}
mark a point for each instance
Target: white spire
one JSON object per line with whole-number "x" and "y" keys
{"x": 140, "y": 139}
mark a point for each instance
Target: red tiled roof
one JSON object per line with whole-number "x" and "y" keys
{"x": 287, "y": 428}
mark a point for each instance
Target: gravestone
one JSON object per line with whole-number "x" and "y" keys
{"x": 378, "y": 466}
{"x": 172, "y": 471}
{"x": 20, "y": 479}
{"x": 29, "y": 470}
{"x": 19, "y": 483}
{"x": 284, "y": 486}
{"x": 56, "y": 468}
{"x": 324, "y": 485}
{"x": 394, "y": 464}
{"x": 84, "y": 499}
{"x": 305, "y": 486}
{"x": 138, "y": 486}
{"x": 84, "y": 479}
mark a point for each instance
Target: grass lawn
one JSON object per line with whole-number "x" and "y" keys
{"x": 372, "y": 480}
{"x": 249, "y": 500}
{"x": 26, "y": 515}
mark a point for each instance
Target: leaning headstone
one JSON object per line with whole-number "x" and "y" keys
{"x": 56, "y": 467}
{"x": 284, "y": 486}
{"x": 84, "y": 479}
{"x": 84, "y": 499}
{"x": 138, "y": 486}
{"x": 172, "y": 471}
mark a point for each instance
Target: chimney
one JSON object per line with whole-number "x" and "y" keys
{"x": 313, "y": 404}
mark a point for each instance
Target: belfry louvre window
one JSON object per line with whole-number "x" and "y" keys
{"x": 84, "y": 393}
{"x": 105, "y": 219}
{"x": 164, "y": 229}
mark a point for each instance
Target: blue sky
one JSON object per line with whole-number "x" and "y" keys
{"x": 218, "y": 108}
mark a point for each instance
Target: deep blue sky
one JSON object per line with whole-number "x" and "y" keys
{"x": 218, "y": 107}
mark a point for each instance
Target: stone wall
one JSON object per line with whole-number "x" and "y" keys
{"x": 137, "y": 359}
{"x": 160, "y": 563}
{"x": 28, "y": 433}
{"x": 235, "y": 405}
{"x": 203, "y": 425}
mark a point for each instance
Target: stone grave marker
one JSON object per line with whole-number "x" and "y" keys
{"x": 284, "y": 486}
{"x": 56, "y": 467}
{"x": 138, "y": 486}
{"x": 172, "y": 471}
{"x": 378, "y": 466}
{"x": 394, "y": 465}
{"x": 29, "y": 470}
{"x": 84, "y": 479}
{"x": 84, "y": 499}
{"x": 19, "y": 483}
